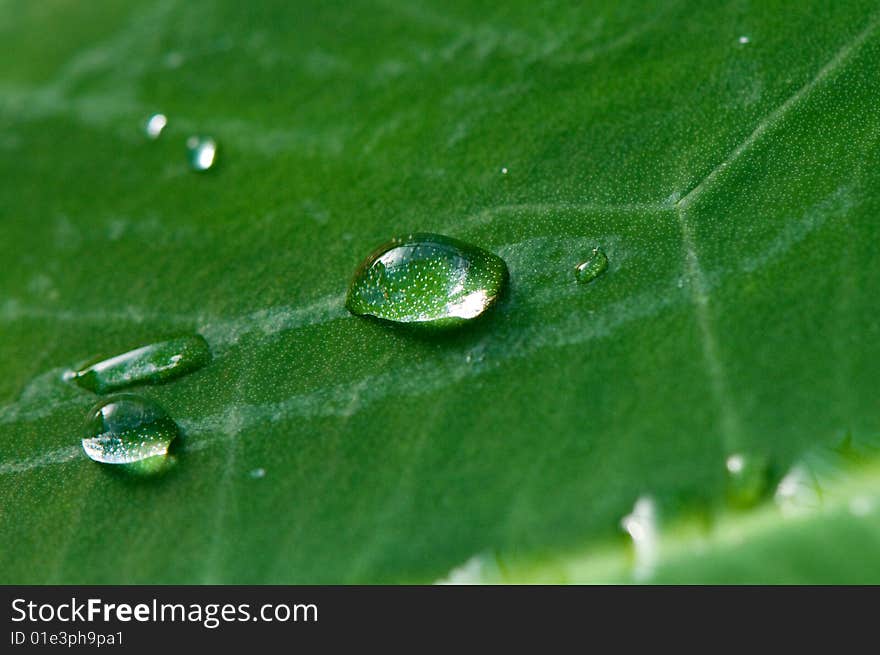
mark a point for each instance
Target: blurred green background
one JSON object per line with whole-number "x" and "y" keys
{"x": 724, "y": 155}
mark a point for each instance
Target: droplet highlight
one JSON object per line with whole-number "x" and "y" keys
{"x": 427, "y": 279}
{"x": 748, "y": 478}
{"x": 202, "y": 153}
{"x": 589, "y": 270}
{"x": 151, "y": 364}
{"x": 129, "y": 429}
{"x": 155, "y": 124}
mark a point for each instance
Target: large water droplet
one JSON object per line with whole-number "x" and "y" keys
{"x": 128, "y": 429}
{"x": 202, "y": 152}
{"x": 748, "y": 478}
{"x": 427, "y": 279}
{"x": 155, "y": 124}
{"x": 592, "y": 268}
{"x": 157, "y": 362}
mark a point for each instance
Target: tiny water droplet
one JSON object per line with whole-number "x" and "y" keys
{"x": 258, "y": 473}
{"x": 128, "y": 429}
{"x": 798, "y": 492}
{"x": 155, "y": 124}
{"x": 151, "y": 364}
{"x": 427, "y": 279}
{"x": 504, "y": 171}
{"x": 747, "y": 479}
{"x": 174, "y": 59}
{"x": 743, "y": 40}
{"x": 592, "y": 268}
{"x": 641, "y": 525}
{"x": 202, "y": 152}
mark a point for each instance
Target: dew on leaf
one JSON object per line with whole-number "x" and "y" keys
{"x": 743, "y": 40}
{"x": 155, "y": 124}
{"x": 258, "y": 473}
{"x": 593, "y": 267}
{"x": 150, "y": 364}
{"x": 129, "y": 429}
{"x": 748, "y": 478}
{"x": 202, "y": 152}
{"x": 427, "y": 279}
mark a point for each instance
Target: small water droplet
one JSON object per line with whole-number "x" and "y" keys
{"x": 129, "y": 429}
{"x": 861, "y": 506}
{"x": 427, "y": 279}
{"x": 258, "y": 473}
{"x": 202, "y": 152}
{"x": 641, "y": 525}
{"x": 151, "y": 364}
{"x": 155, "y": 124}
{"x": 480, "y": 569}
{"x": 747, "y": 479}
{"x": 174, "y": 59}
{"x": 592, "y": 268}
{"x": 798, "y": 492}
{"x": 743, "y": 40}
{"x": 504, "y": 171}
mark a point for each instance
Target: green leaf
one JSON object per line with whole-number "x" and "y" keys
{"x": 734, "y": 187}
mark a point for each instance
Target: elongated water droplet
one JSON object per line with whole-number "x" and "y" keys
{"x": 427, "y": 279}
{"x": 202, "y": 152}
{"x": 592, "y": 268}
{"x": 155, "y": 124}
{"x": 748, "y": 478}
{"x": 128, "y": 429}
{"x": 151, "y": 364}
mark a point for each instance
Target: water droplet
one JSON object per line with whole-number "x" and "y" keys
{"x": 258, "y": 473}
{"x": 798, "y": 492}
{"x": 747, "y": 479}
{"x": 592, "y": 268}
{"x": 480, "y": 569}
{"x": 129, "y": 429}
{"x": 202, "y": 152}
{"x": 861, "y": 506}
{"x": 427, "y": 279}
{"x": 174, "y": 59}
{"x": 641, "y": 525}
{"x": 155, "y": 124}
{"x": 151, "y": 364}
{"x": 504, "y": 171}
{"x": 743, "y": 40}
